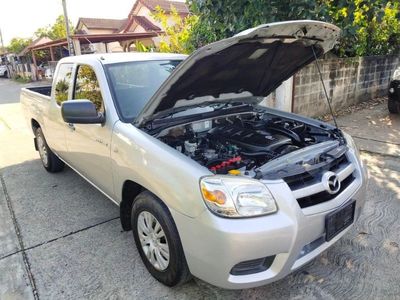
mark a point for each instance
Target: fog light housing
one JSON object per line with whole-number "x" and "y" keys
{"x": 253, "y": 266}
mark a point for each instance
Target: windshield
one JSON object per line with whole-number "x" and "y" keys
{"x": 133, "y": 83}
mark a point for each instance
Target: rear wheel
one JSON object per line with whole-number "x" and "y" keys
{"x": 157, "y": 240}
{"x": 49, "y": 160}
{"x": 393, "y": 106}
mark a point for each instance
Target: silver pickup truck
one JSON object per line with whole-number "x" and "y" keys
{"x": 211, "y": 183}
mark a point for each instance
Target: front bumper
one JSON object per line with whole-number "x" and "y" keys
{"x": 214, "y": 245}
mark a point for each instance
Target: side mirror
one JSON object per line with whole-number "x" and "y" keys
{"x": 81, "y": 112}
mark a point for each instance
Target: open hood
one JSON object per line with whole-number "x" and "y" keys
{"x": 248, "y": 66}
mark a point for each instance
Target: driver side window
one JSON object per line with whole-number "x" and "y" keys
{"x": 87, "y": 87}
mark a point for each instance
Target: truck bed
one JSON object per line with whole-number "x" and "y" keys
{"x": 35, "y": 103}
{"x": 44, "y": 90}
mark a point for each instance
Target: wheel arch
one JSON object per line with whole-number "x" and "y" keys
{"x": 130, "y": 190}
{"x": 34, "y": 125}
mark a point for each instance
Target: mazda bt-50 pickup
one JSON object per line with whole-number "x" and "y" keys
{"x": 211, "y": 183}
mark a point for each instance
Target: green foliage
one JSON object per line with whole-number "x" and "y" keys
{"x": 224, "y": 18}
{"x": 18, "y": 44}
{"x": 22, "y": 79}
{"x": 140, "y": 47}
{"x": 55, "y": 31}
{"x": 369, "y": 26}
{"x": 177, "y": 31}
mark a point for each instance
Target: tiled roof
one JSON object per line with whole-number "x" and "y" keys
{"x": 37, "y": 42}
{"x": 145, "y": 23}
{"x": 95, "y": 23}
{"x": 181, "y": 7}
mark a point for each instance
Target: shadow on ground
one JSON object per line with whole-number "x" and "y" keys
{"x": 77, "y": 249}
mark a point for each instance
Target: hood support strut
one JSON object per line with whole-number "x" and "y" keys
{"x": 323, "y": 85}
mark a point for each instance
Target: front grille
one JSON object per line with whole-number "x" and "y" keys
{"x": 305, "y": 179}
{"x": 311, "y": 181}
{"x": 324, "y": 196}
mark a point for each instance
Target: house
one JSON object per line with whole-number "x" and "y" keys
{"x": 139, "y": 20}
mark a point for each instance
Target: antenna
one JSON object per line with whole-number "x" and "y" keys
{"x": 323, "y": 85}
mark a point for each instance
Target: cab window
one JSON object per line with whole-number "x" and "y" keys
{"x": 87, "y": 87}
{"x": 62, "y": 83}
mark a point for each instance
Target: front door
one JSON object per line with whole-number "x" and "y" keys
{"x": 89, "y": 144}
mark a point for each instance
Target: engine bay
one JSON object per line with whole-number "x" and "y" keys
{"x": 239, "y": 144}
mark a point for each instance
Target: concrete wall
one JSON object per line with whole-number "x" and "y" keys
{"x": 348, "y": 81}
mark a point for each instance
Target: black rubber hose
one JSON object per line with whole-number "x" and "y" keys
{"x": 256, "y": 153}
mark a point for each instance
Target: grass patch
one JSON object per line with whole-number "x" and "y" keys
{"x": 22, "y": 79}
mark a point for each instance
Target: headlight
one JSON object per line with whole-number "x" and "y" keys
{"x": 350, "y": 141}
{"x": 352, "y": 145}
{"x": 237, "y": 197}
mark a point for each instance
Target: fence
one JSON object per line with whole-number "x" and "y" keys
{"x": 348, "y": 81}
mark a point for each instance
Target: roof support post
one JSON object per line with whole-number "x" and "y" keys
{"x": 35, "y": 64}
{"x": 77, "y": 46}
{"x": 52, "y": 54}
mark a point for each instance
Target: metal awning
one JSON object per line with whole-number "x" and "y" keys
{"x": 96, "y": 38}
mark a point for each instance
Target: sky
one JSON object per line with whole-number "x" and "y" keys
{"x": 21, "y": 18}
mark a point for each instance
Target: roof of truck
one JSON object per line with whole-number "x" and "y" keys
{"x": 111, "y": 58}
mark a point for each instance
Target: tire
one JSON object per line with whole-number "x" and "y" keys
{"x": 175, "y": 271}
{"x": 49, "y": 160}
{"x": 5, "y": 74}
{"x": 393, "y": 106}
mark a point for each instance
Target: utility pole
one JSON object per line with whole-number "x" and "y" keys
{"x": 69, "y": 41}
{"x": 2, "y": 44}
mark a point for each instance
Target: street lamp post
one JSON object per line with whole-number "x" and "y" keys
{"x": 69, "y": 41}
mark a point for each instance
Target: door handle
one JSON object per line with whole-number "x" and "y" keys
{"x": 71, "y": 126}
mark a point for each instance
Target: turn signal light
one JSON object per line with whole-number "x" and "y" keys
{"x": 216, "y": 196}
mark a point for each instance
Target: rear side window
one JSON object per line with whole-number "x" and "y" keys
{"x": 62, "y": 83}
{"x": 87, "y": 87}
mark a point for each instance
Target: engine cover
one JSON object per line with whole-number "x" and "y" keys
{"x": 249, "y": 139}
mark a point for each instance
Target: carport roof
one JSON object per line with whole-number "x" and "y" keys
{"x": 95, "y": 38}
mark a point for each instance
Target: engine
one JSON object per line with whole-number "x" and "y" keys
{"x": 237, "y": 145}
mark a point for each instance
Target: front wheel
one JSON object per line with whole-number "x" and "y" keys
{"x": 49, "y": 160}
{"x": 157, "y": 240}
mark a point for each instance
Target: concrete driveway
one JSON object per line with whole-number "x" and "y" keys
{"x": 60, "y": 238}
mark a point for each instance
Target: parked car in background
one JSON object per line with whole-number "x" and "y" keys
{"x": 394, "y": 93}
{"x": 3, "y": 71}
{"x": 211, "y": 183}
{"x": 48, "y": 73}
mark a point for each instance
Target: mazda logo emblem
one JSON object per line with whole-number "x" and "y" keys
{"x": 331, "y": 182}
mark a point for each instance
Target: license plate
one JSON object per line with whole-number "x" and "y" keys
{"x": 339, "y": 220}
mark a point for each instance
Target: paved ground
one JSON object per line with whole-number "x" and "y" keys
{"x": 60, "y": 238}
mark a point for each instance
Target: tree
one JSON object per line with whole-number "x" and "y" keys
{"x": 220, "y": 19}
{"x": 18, "y": 44}
{"x": 369, "y": 26}
{"x": 177, "y": 30}
{"x": 55, "y": 31}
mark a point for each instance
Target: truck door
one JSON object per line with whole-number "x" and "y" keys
{"x": 55, "y": 127}
{"x": 89, "y": 144}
